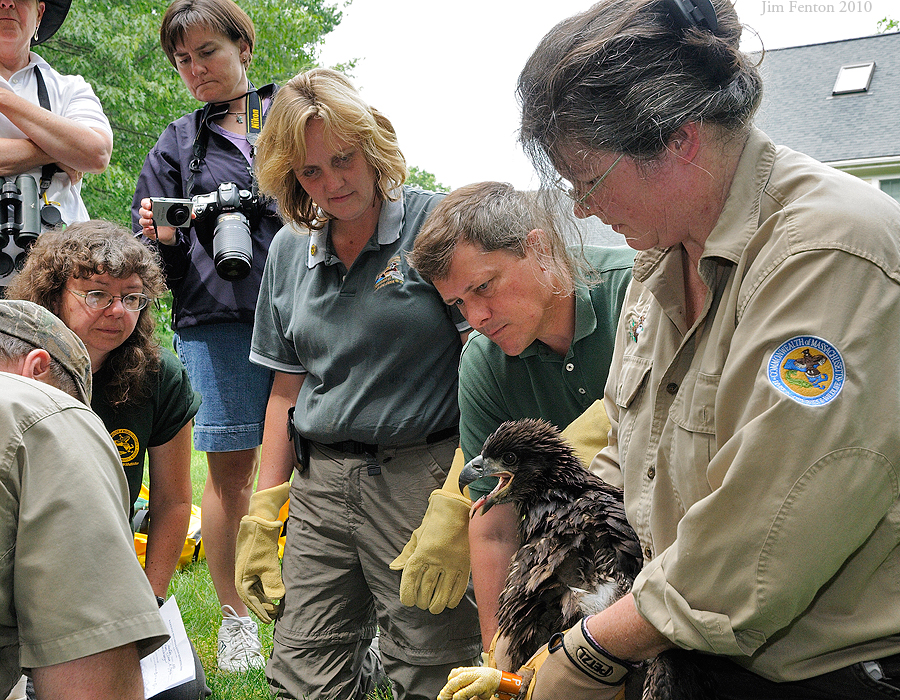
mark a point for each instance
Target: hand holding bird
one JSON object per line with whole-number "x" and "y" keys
{"x": 471, "y": 682}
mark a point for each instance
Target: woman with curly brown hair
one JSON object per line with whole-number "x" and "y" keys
{"x": 100, "y": 280}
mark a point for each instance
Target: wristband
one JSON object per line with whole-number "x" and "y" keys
{"x": 589, "y": 657}
{"x": 510, "y": 685}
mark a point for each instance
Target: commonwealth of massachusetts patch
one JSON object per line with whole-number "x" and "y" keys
{"x": 807, "y": 369}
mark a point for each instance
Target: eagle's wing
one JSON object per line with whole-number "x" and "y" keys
{"x": 582, "y": 543}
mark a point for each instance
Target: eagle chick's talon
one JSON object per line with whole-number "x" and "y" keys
{"x": 469, "y": 682}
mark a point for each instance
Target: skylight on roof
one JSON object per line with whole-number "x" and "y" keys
{"x": 853, "y": 78}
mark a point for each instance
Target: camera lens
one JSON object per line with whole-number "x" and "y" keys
{"x": 232, "y": 246}
{"x": 178, "y": 215}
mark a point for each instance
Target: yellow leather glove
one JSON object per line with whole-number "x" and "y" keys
{"x": 480, "y": 682}
{"x": 589, "y": 433}
{"x": 435, "y": 561}
{"x": 471, "y": 682}
{"x": 575, "y": 667}
{"x": 257, "y": 572}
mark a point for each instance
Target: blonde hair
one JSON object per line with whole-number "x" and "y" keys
{"x": 323, "y": 94}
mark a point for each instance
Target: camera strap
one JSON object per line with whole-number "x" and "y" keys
{"x": 255, "y": 118}
{"x": 47, "y": 171}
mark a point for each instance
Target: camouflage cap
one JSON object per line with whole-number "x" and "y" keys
{"x": 32, "y": 323}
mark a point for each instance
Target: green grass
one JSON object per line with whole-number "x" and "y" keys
{"x": 193, "y": 589}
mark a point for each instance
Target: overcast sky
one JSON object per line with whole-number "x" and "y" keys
{"x": 445, "y": 72}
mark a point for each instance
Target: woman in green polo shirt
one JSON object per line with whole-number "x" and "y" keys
{"x": 365, "y": 353}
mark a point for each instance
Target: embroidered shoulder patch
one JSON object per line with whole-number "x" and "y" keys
{"x": 808, "y": 370}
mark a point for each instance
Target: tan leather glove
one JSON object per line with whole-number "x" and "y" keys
{"x": 435, "y": 561}
{"x": 575, "y": 667}
{"x": 257, "y": 572}
{"x": 589, "y": 433}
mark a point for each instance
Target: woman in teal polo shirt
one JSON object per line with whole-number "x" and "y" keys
{"x": 367, "y": 352}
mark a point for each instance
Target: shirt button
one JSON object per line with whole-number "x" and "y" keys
{"x": 651, "y": 472}
{"x": 570, "y": 367}
{"x": 648, "y": 554}
{"x": 672, "y": 388}
{"x": 581, "y": 391}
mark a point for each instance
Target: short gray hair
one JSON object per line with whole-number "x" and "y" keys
{"x": 491, "y": 216}
{"x": 623, "y": 77}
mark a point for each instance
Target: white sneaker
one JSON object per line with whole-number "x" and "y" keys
{"x": 239, "y": 647}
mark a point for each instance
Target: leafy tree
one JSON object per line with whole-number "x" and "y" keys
{"x": 114, "y": 45}
{"x": 888, "y": 25}
{"x": 425, "y": 180}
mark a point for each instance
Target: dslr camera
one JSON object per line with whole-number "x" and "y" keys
{"x": 20, "y": 221}
{"x": 227, "y": 210}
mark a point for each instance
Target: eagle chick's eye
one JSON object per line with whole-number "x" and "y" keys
{"x": 509, "y": 458}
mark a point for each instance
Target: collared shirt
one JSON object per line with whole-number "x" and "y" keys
{"x": 759, "y": 449}
{"x": 379, "y": 347}
{"x": 70, "y": 97}
{"x": 70, "y": 583}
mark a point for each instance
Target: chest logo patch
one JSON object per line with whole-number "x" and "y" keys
{"x": 635, "y": 327}
{"x": 808, "y": 370}
{"x": 127, "y": 443}
{"x": 392, "y": 274}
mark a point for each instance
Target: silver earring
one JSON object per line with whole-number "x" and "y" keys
{"x": 36, "y": 32}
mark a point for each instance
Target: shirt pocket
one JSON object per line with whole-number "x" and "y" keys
{"x": 633, "y": 377}
{"x": 693, "y": 434}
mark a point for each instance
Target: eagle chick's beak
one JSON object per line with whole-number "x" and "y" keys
{"x": 473, "y": 471}
{"x": 478, "y": 468}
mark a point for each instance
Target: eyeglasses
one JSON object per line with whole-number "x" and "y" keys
{"x": 580, "y": 201}
{"x": 99, "y": 299}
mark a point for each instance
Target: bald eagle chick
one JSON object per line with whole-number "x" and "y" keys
{"x": 578, "y": 554}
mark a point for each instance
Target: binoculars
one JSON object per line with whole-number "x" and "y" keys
{"x": 20, "y": 222}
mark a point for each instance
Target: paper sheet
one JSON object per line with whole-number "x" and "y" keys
{"x": 173, "y": 663}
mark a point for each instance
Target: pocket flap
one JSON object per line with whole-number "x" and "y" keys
{"x": 694, "y": 405}
{"x": 631, "y": 378}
